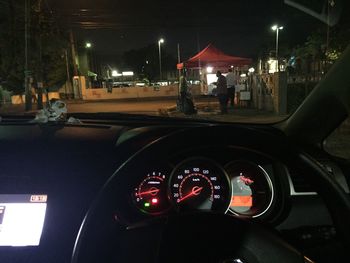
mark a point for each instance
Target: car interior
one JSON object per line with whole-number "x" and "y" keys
{"x": 133, "y": 188}
{"x": 115, "y": 187}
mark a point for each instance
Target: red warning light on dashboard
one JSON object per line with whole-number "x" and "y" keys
{"x": 154, "y": 201}
{"x": 246, "y": 200}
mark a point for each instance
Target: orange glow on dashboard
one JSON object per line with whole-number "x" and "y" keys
{"x": 238, "y": 200}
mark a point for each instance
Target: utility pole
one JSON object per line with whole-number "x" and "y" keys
{"x": 27, "y": 82}
{"x": 277, "y": 35}
{"x": 71, "y": 39}
{"x": 179, "y": 61}
{"x": 68, "y": 81}
{"x": 178, "y": 56}
{"x": 40, "y": 80}
{"x": 40, "y": 83}
{"x": 198, "y": 50}
{"x": 327, "y": 37}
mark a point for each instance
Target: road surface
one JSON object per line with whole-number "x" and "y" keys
{"x": 132, "y": 106}
{"x": 207, "y": 109}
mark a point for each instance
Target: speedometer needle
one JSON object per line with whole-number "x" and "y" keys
{"x": 153, "y": 191}
{"x": 195, "y": 191}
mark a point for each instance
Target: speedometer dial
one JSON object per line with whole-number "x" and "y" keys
{"x": 200, "y": 184}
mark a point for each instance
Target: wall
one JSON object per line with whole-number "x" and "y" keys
{"x": 280, "y": 93}
{"x": 135, "y": 92}
{"x": 270, "y": 92}
{"x": 20, "y": 99}
{"x": 120, "y": 93}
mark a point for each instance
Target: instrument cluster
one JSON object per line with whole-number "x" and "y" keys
{"x": 240, "y": 187}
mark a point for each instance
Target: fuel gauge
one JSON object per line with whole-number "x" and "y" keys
{"x": 151, "y": 195}
{"x": 252, "y": 189}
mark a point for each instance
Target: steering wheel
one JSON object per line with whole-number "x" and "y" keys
{"x": 201, "y": 237}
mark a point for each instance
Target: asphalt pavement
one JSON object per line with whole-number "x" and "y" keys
{"x": 207, "y": 109}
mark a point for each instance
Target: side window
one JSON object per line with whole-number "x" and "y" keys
{"x": 338, "y": 143}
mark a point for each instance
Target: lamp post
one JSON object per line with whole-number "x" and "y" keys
{"x": 277, "y": 28}
{"x": 88, "y": 46}
{"x": 160, "y": 41}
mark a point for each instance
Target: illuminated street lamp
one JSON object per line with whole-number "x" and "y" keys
{"x": 89, "y": 56}
{"x": 160, "y": 41}
{"x": 277, "y": 28}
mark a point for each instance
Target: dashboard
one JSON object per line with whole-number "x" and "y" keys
{"x": 70, "y": 164}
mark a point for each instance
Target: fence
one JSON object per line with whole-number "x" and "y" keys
{"x": 304, "y": 78}
{"x": 266, "y": 88}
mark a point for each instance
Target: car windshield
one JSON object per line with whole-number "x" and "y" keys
{"x": 235, "y": 61}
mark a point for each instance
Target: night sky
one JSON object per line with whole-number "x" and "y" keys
{"x": 240, "y": 28}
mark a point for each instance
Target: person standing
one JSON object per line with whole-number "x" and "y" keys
{"x": 231, "y": 86}
{"x": 183, "y": 87}
{"x": 33, "y": 92}
{"x": 221, "y": 89}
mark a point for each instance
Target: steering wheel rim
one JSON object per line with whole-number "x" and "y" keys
{"x": 338, "y": 204}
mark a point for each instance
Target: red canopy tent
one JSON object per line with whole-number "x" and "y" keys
{"x": 211, "y": 56}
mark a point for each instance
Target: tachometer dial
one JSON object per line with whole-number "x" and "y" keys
{"x": 200, "y": 184}
{"x": 151, "y": 194}
{"x": 252, "y": 189}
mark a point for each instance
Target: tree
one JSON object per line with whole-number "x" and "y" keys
{"x": 315, "y": 48}
{"x": 46, "y": 46}
{"x": 11, "y": 49}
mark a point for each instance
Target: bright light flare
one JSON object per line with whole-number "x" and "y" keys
{"x": 275, "y": 27}
{"x": 128, "y": 73}
{"x": 210, "y": 69}
{"x": 115, "y": 73}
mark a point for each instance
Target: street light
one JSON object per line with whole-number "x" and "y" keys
{"x": 160, "y": 41}
{"x": 277, "y": 28}
{"x": 89, "y": 56}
